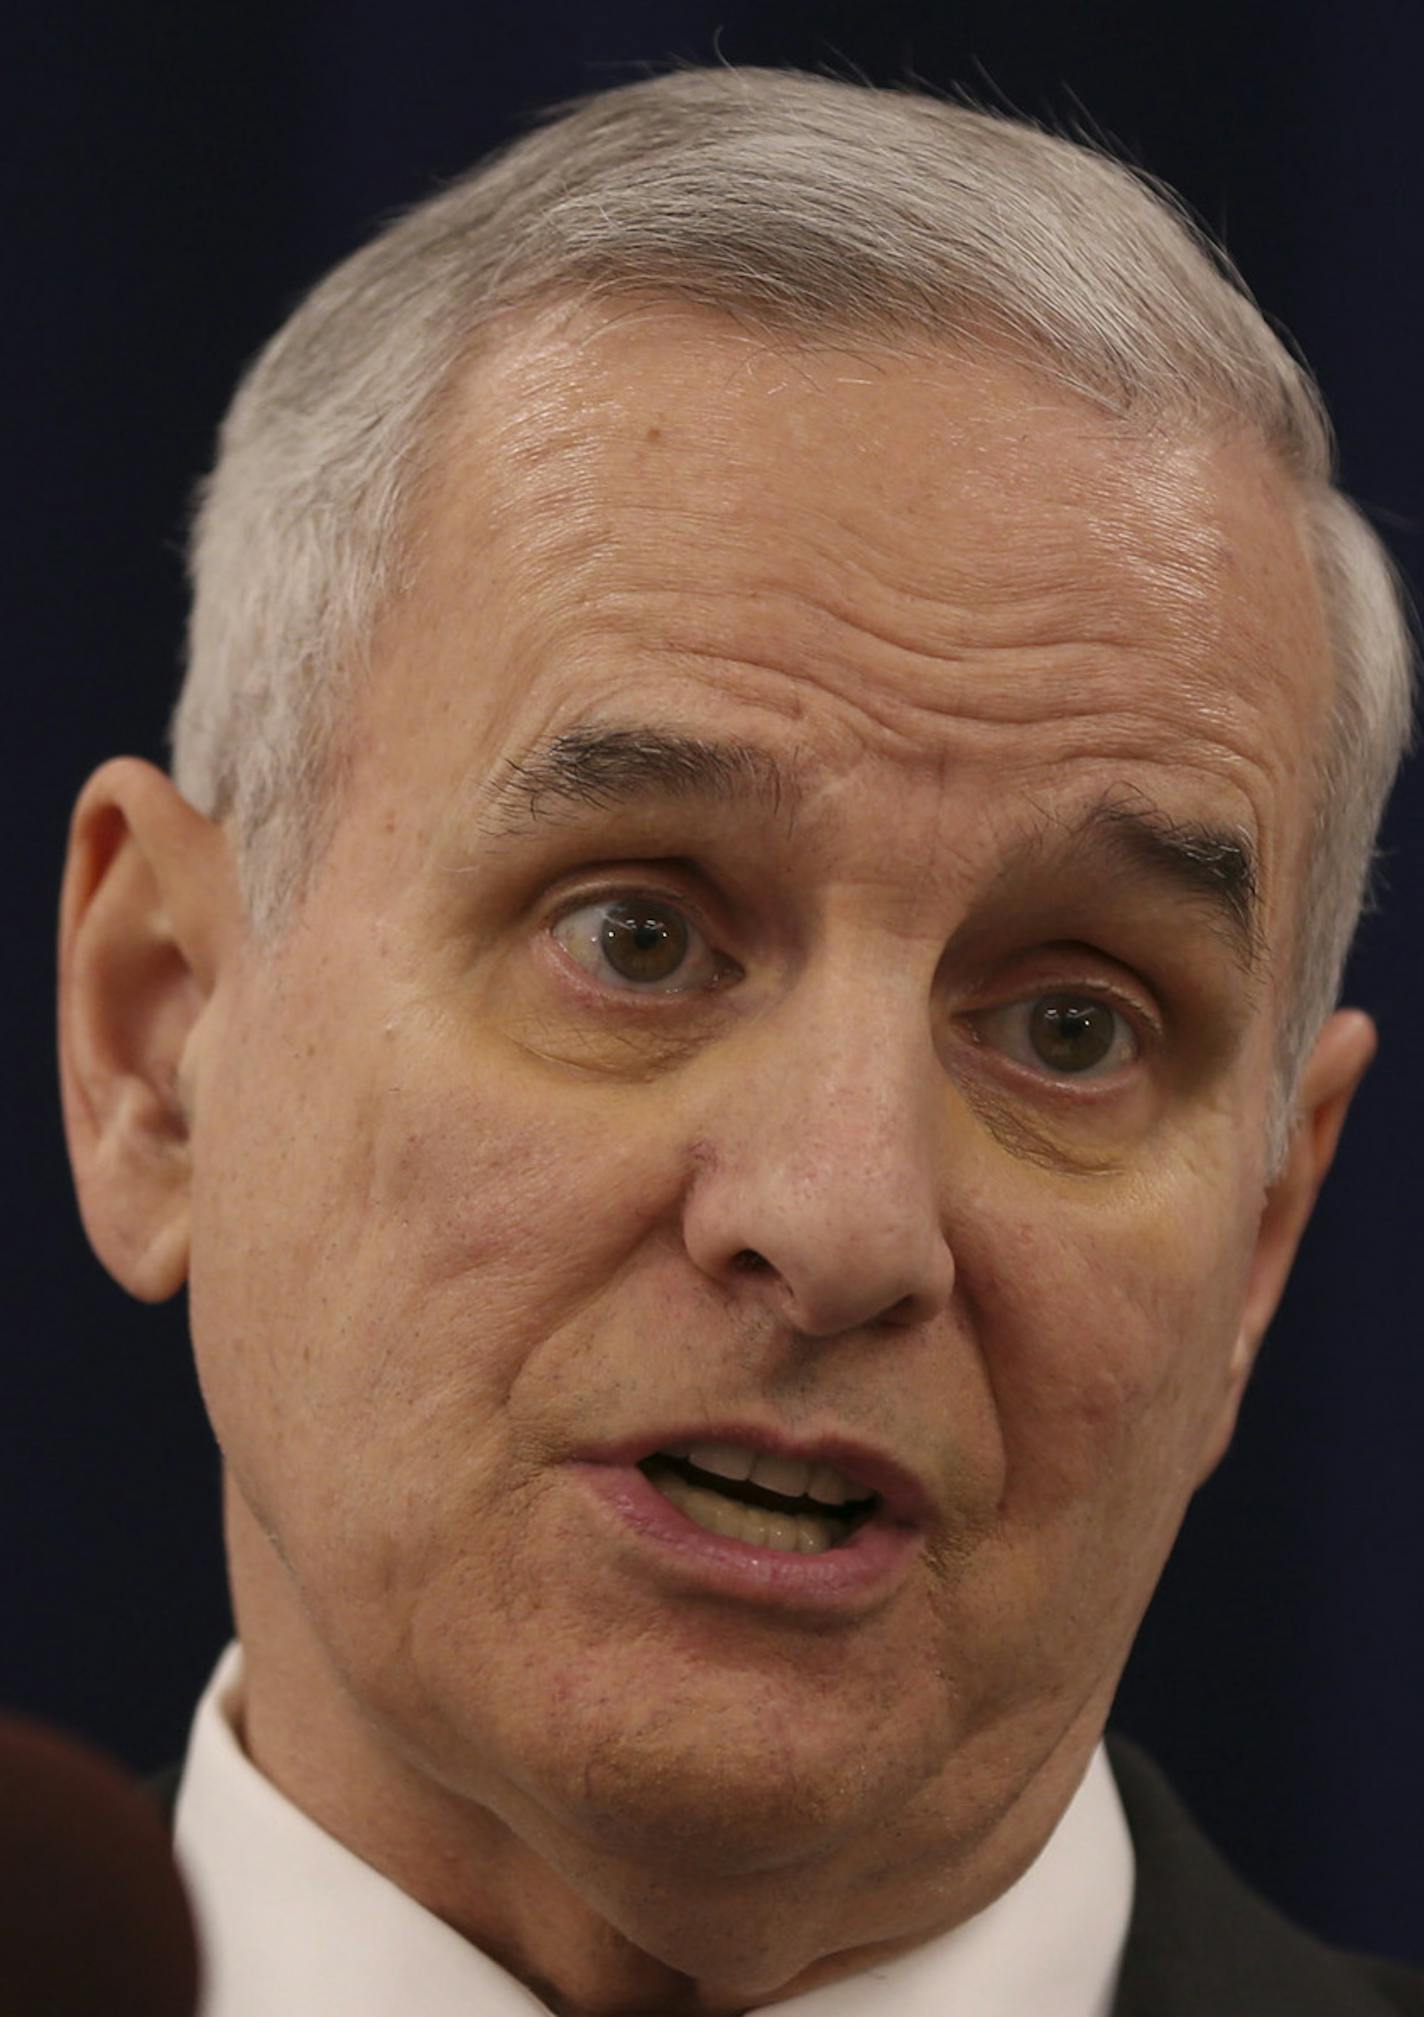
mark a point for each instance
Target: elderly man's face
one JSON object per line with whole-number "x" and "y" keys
{"x": 797, "y": 971}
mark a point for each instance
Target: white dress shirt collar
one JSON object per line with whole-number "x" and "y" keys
{"x": 293, "y": 1925}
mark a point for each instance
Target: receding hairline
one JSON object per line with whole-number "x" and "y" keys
{"x": 468, "y": 406}
{"x": 470, "y": 416}
{"x": 579, "y": 320}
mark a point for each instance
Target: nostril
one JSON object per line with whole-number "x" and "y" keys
{"x": 748, "y": 1262}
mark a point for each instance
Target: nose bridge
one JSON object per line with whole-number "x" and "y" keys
{"x": 855, "y": 1077}
{"x": 819, "y": 1159}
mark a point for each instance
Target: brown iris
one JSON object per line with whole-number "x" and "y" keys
{"x": 1070, "y": 1033}
{"x": 642, "y": 940}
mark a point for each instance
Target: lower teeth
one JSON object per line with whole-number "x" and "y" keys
{"x": 794, "y": 1533}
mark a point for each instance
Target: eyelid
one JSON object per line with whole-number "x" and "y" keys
{"x": 635, "y": 884}
{"x": 672, "y": 879}
{"x": 1073, "y": 968}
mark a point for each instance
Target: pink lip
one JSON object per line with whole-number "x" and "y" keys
{"x": 847, "y": 1579}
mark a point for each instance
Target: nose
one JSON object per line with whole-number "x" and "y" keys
{"x": 817, "y": 1182}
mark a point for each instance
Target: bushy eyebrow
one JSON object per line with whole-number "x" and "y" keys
{"x": 1214, "y": 864}
{"x": 598, "y": 767}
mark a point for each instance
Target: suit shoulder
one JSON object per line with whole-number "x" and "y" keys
{"x": 1201, "y": 1939}
{"x": 1402, "y": 1986}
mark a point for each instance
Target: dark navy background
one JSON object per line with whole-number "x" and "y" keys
{"x": 179, "y": 175}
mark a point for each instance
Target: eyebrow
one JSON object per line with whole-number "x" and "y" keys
{"x": 1215, "y": 865}
{"x": 594, "y": 767}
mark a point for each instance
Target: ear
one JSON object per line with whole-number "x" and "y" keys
{"x": 148, "y": 911}
{"x": 1336, "y": 1066}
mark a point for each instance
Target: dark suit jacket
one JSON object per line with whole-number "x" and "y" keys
{"x": 1200, "y": 1943}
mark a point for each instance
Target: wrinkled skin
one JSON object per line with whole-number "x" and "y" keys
{"x": 457, "y": 1208}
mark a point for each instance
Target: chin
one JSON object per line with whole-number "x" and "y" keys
{"x": 734, "y": 1867}
{"x": 718, "y": 1788}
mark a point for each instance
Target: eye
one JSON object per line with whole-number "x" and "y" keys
{"x": 1061, "y": 1035}
{"x": 643, "y": 942}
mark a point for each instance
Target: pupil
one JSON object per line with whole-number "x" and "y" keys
{"x": 642, "y": 944}
{"x": 1070, "y": 1034}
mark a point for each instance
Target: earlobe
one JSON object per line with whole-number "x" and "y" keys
{"x": 144, "y": 916}
{"x": 1338, "y": 1063}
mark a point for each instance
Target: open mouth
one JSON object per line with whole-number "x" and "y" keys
{"x": 765, "y": 1501}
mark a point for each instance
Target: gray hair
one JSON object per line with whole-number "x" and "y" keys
{"x": 807, "y": 206}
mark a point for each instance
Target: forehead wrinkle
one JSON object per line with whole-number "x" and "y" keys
{"x": 709, "y": 453}
{"x": 851, "y": 578}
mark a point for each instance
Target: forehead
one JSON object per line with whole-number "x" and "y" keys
{"x": 941, "y": 565}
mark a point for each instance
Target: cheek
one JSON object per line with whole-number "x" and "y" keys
{"x": 1105, "y": 1327}
{"x": 379, "y": 1274}
{"x": 516, "y": 1203}
{"x": 1108, "y": 1327}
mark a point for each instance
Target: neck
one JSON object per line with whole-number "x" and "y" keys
{"x": 600, "y": 1936}
{"x": 682, "y": 1927}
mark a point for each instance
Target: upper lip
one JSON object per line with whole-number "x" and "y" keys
{"x": 901, "y": 1494}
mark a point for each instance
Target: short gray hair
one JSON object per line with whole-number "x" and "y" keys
{"x": 808, "y": 206}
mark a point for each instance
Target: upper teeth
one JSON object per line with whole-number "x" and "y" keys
{"x": 788, "y": 1475}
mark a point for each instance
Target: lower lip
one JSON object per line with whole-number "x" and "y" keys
{"x": 863, "y": 1570}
